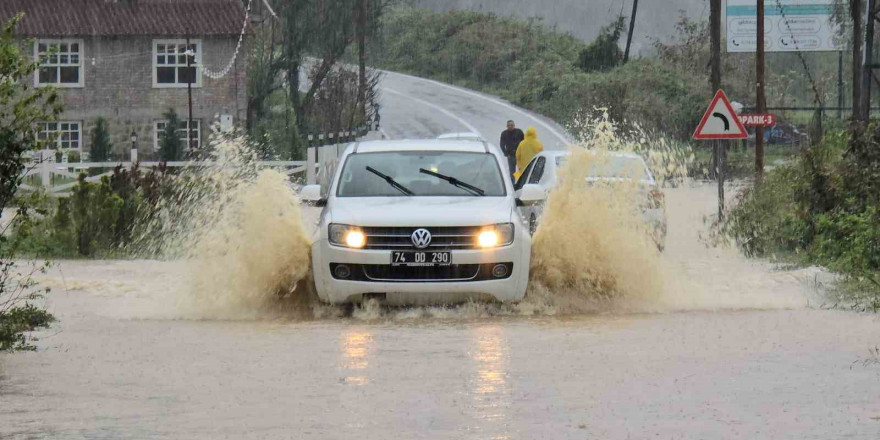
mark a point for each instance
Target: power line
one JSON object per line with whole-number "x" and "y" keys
{"x": 266, "y": 3}
{"x": 818, "y": 99}
{"x": 220, "y": 74}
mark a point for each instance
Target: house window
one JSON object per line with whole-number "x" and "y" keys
{"x": 181, "y": 132}
{"x": 60, "y": 63}
{"x": 170, "y": 63}
{"x": 62, "y": 134}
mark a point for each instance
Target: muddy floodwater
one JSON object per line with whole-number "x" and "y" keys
{"x": 744, "y": 350}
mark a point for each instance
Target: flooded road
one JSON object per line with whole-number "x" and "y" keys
{"x": 741, "y": 351}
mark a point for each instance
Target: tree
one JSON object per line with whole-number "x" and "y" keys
{"x": 264, "y": 68}
{"x": 101, "y": 146}
{"x": 321, "y": 27}
{"x": 361, "y": 17}
{"x": 603, "y": 53}
{"x": 857, "y": 39}
{"x": 21, "y": 107}
{"x": 170, "y": 144}
{"x": 308, "y": 36}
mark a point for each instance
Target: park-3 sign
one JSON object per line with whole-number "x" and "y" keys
{"x": 758, "y": 120}
{"x": 720, "y": 121}
{"x": 789, "y": 26}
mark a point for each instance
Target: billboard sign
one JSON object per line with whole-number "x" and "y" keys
{"x": 789, "y": 26}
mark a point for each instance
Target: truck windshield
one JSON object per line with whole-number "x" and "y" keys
{"x": 478, "y": 169}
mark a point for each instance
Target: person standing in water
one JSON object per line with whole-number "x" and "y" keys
{"x": 527, "y": 150}
{"x": 510, "y": 140}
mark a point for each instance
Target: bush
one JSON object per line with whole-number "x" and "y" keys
{"x": 767, "y": 220}
{"x": 641, "y": 91}
{"x": 848, "y": 242}
{"x": 101, "y": 147}
{"x": 98, "y": 219}
{"x": 72, "y": 156}
{"x": 170, "y": 145}
{"x": 18, "y": 320}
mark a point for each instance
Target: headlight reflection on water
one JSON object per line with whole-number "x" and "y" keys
{"x": 357, "y": 345}
{"x": 489, "y": 388}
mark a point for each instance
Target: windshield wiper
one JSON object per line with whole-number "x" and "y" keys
{"x": 395, "y": 184}
{"x": 454, "y": 181}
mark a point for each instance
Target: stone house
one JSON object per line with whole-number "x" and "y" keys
{"x": 125, "y": 60}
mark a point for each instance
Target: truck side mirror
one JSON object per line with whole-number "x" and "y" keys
{"x": 531, "y": 194}
{"x": 311, "y": 194}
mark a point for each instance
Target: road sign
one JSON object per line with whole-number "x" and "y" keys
{"x": 789, "y": 26}
{"x": 720, "y": 121}
{"x": 758, "y": 120}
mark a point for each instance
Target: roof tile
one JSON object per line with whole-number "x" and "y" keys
{"x": 63, "y": 18}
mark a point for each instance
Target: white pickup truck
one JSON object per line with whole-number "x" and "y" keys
{"x": 420, "y": 222}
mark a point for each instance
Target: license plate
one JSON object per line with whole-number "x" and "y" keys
{"x": 426, "y": 258}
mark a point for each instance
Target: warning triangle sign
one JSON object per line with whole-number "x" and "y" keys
{"x": 720, "y": 121}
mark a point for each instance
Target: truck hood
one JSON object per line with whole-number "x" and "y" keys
{"x": 420, "y": 211}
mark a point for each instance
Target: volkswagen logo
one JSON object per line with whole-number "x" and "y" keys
{"x": 421, "y": 238}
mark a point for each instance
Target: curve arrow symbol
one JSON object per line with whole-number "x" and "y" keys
{"x": 723, "y": 119}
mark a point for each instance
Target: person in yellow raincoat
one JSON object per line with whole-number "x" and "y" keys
{"x": 526, "y": 151}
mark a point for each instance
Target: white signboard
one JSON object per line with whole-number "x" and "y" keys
{"x": 789, "y": 26}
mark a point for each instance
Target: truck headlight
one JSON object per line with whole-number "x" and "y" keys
{"x": 348, "y": 236}
{"x": 496, "y": 235}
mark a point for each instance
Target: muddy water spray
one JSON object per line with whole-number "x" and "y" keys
{"x": 238, "y": 230}
{"x": 592, "y": 250}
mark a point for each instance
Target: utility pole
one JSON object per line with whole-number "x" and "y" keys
{"x": 632, "y": 25}
{"x": 761, "y": 99}
{"x": 362, "y": 57}
{"x": 840, "y": 84}
{"x": 718, "y": 150}
{"x": 868, "y": 66}
{"x": 190, "y": 76}
{"x": 855, "y": 12}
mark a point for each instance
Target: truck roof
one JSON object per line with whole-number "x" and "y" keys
{"x": 461, "y": 145}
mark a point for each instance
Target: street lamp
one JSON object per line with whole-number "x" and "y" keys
{"x": 134, "y": 143}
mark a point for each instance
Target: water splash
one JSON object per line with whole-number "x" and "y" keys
{"x": 593, "y": 250}
{"x": 238, "y": 230}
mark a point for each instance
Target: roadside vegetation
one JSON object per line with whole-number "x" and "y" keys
{"x": 535, "y": 67}
{"x": 823, "y": 208}
{"x": 20, "y": 109}
{"x": 553, "y": 73}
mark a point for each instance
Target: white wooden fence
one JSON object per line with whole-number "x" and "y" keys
{"x": 322, "y": 161}
{"x": 45, "y": 166}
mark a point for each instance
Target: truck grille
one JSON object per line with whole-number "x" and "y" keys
{"x": 455, "y": 272}
{"x": 400, "y": 238}
{"x": 421, "y": 274}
